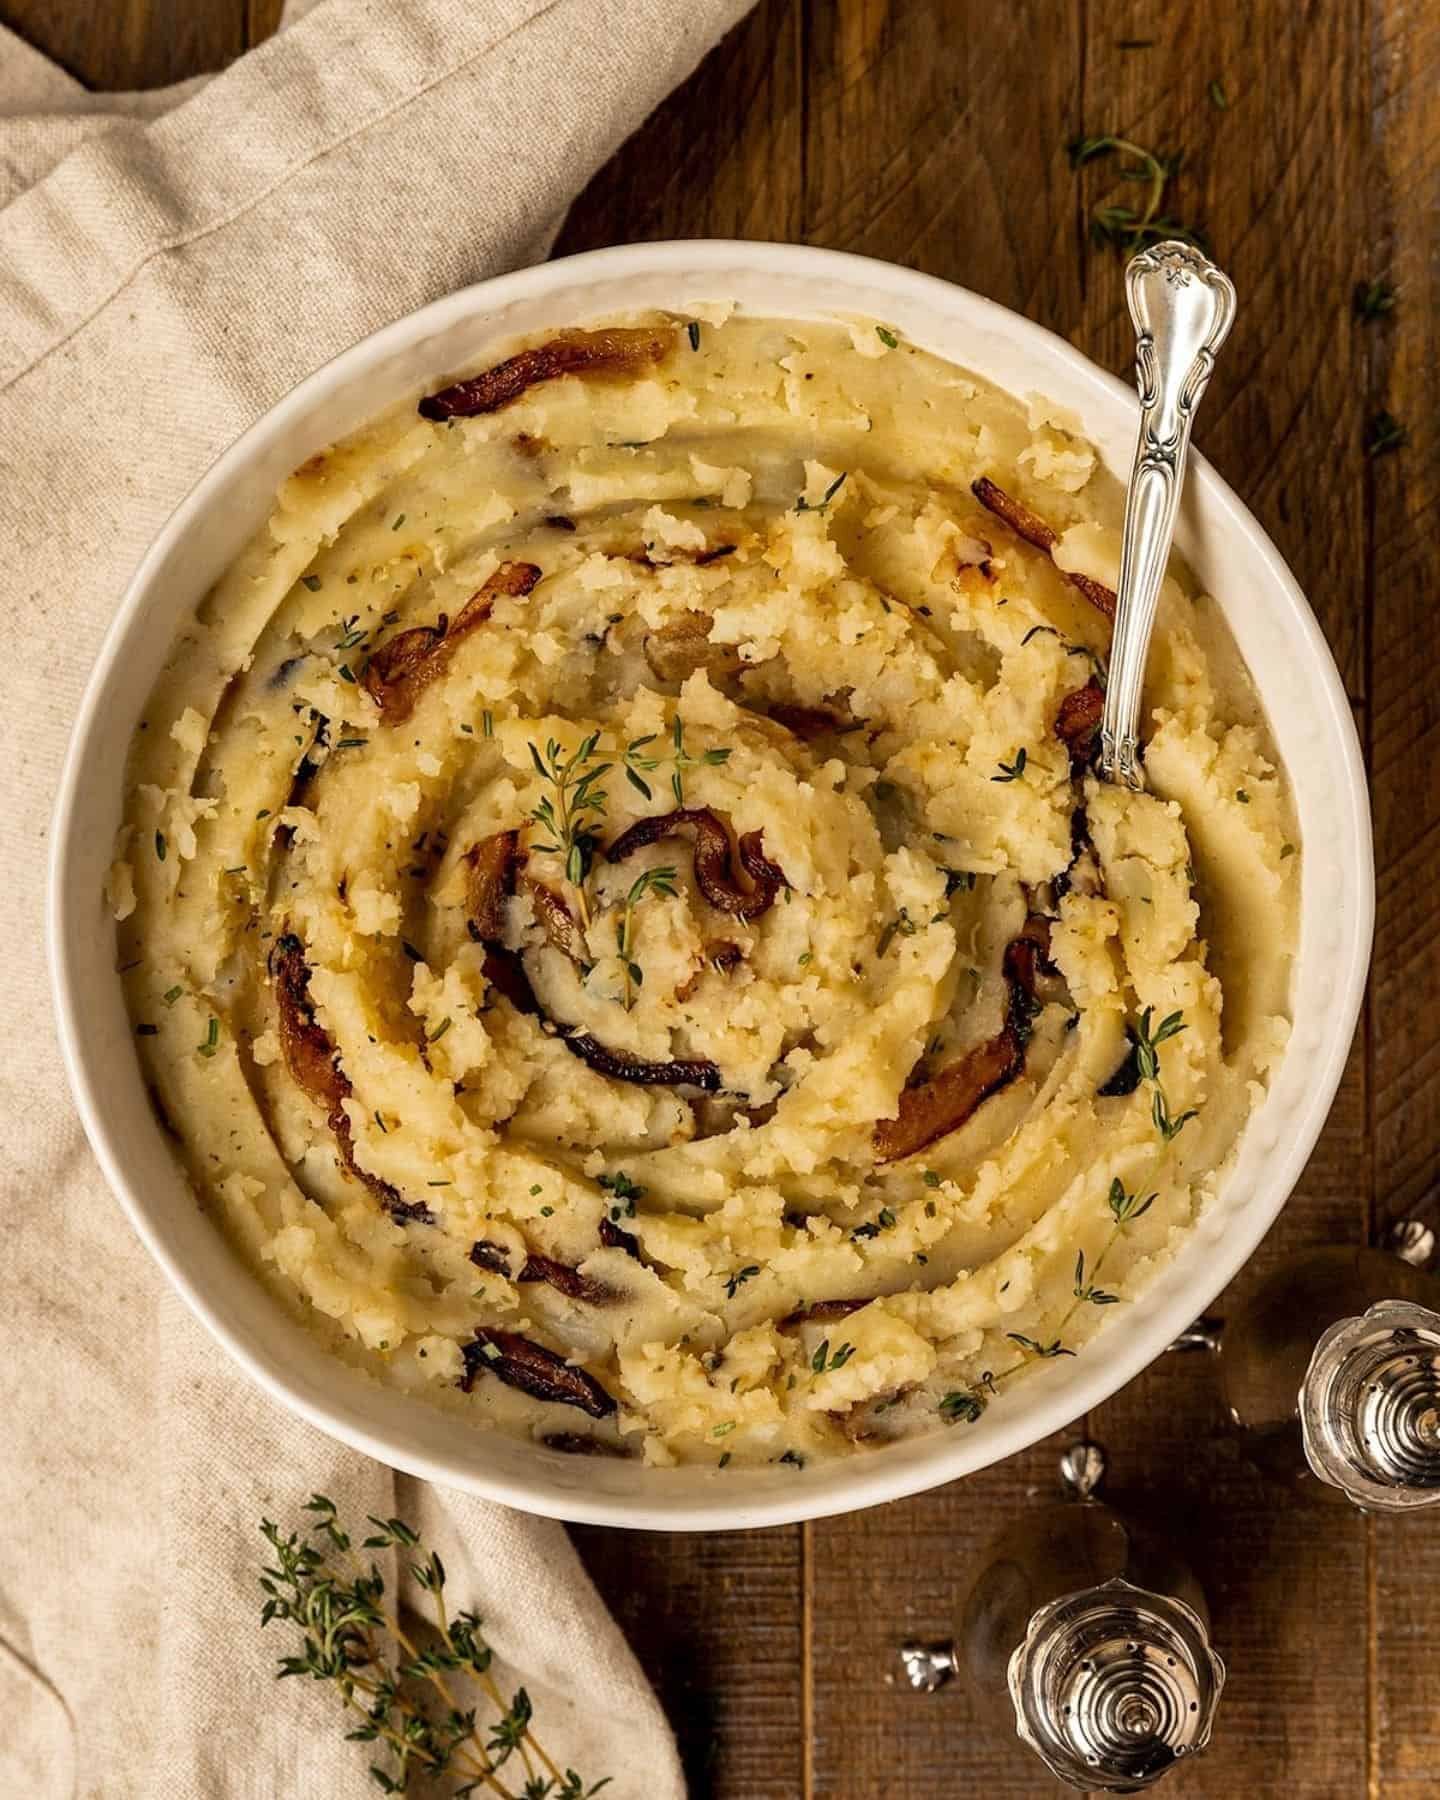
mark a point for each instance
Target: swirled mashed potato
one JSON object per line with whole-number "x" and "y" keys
{"x": 621, "y": 925}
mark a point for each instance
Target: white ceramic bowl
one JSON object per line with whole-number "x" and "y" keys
{"x": 1230, "y": 554}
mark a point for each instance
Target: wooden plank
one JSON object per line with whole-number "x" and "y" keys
{"x": 1404, "y": 488}
{"x": 716, "y": 1622}
{"x": 121, "y": 44}
{"x": 932, "y": 139}
{"x": 721, "y": 158}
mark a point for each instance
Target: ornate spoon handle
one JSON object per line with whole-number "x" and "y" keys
{"x": 1182, "y": 307}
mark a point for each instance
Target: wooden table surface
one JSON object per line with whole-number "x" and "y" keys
{"x": 933, "y": 133}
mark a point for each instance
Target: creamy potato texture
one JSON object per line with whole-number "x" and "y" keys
{"x": 621, "y": 925}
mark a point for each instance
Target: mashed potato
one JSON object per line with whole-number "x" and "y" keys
{"x": 621, "y": 925}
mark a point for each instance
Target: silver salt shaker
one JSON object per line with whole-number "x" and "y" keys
{"x": 1093, "y": 1634}
{"x": 1331, "y": 1373}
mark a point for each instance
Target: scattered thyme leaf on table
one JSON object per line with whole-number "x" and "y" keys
{"x": 408, "y": 1697}
{"x": 1131, "y": 228}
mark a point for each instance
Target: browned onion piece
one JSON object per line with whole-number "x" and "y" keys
{"x": 490, "y": 883}
{"x": 613, "y": 1238}
{"x": 1034, "y": 530}
{"x": 505, "y": 972}
{"x": 682, "y": 1072}
{"x": 521, "y": 1363}
{"x": 941, "y": 1105}
{"x": 678, "y": 649}
{"x": 486, "y": 1254}
{"x": 310, "y": 1058}
{"x": 1077, "y": 722}
{"x": 714, "y": 874}
{"x": 403, "y": 667}
{"x": 809, "y": 722}
{"x": 570, "y": 1282}
{"x": 612, "y": 352}
{"x": 821, "y": 1309}
{"x": 571, "y": 1443}
{"x": 562, "y": 928}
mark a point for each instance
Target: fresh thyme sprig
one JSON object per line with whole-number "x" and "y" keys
{"x": 1087, "y": 1290}
{"x": 1147, "y": 1060}
{"x": 1124, "y": 227}
{"x": 683, "y": 760}
{"x": 1011, "y": 771}
{"x": 569, "y": 813}
{"x": 651, "y": 881}
{"x": 340, "y": 1611}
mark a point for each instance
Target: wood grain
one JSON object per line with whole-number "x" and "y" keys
{"x": 1403, "y": 503}
{"x": 934, "y": 134}
{"x": 126, "y": 44}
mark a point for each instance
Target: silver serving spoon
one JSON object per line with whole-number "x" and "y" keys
{"x": 1182, "y": 307}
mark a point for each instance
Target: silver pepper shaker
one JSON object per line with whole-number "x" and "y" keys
{"x": 1098, "y": 1634}
{"x": 1331, "y": 1372}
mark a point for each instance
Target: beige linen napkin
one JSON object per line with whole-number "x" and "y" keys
{"x": 169, "y": 266}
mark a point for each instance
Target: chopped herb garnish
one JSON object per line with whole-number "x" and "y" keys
{"x": 347, "y": 673}
{"x": 399, "y": 521}
{"x": 887, "y": 337}
{"x": 930, "y": 1178}
{"x": 1218, "y": 97}
{"x": 692, "y": 331}
{"x": 1038, "y": 631}
{"x": 312, "y": 582}
{"x": 794, "y": 1458}
{"x": 160, "y": 845}
{"x": 411, "y": 951}
{"x": 352, "y": 743}
{"x": 487, "y": 724}
{"x": 735, "y": 1282}
{"x": 725, "y": 1460}
{"x": 724, "y": 1429}
{"x": 803, "y": 505}
{"x": 1242, "y": 796}
{"x": 807, "y": 956}
{"x": 903, "y": 926}
{"x": 1012, "y": 771}
{"x": 958, "y": 881}
{"x": 439, "y": 1031}
{"x": 173, "y": 994}
{"x": 822, "y": 1362}
{"x": 536, "y": 1189}
{"x": 212, "y": 1039}
{"x": 547, "y": 1212}
{"x": 381, "y": 1123}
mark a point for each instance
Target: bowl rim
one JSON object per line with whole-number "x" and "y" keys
{"x": 873, "y": 1480}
